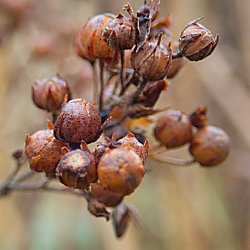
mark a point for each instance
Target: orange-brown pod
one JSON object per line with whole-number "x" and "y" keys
{"x": 209, "y": 146}
{"x": 120, "y": 170}
{"x": 43, "y": 151}
{"x": 91, "y": 45}
{"x": 173, "y": 129}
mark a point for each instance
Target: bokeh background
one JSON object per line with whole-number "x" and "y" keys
{"x": 181, "y": 208}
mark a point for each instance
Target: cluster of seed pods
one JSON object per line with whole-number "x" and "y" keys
{"x": 139, "y": 54}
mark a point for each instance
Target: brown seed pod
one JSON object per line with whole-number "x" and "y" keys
{"x": 43, "y": 151}
{"x": 140, "y": 149}
{"x": 104, "y": 195}
{"x": 79, "y": 121}
{"x": 90, "y": 44}
{"x": 77, "y": 169}
{"x": 209, "y": 146}
{"x": 120, "y": 170}
{"x": 173, "y": 129}
{"x": 196, "y": 41}
{"x": 152, "y": 61}
{"x": 50, "y": 93}
{"x": 122, "y": 32}
{"x": 198, "y": 117}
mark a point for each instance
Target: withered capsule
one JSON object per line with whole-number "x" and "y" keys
{"x": 140, "y": 149}
{"x": 196, "y": 41}
{"x": 120, "y": 170}
{"x": 173, "y": 129}
{"x": 209, "y": 146}
{"x": 152, "y": 61}
{"x": 50, "y": 93}
{"x": 198, "y": 117}
{"x": 77, "y": 169}
{"x": 91, "y": 45}
{"x": 121, "y": 33}
{"x": 79, "y": 121}
{"x": 43, "y": 151}
{"x": 104, "y": 195}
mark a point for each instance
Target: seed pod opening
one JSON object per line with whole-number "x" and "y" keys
{"x": 77, "y": 169}
{"x": 140, "y": 149}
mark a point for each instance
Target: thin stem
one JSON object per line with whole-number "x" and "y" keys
{"x": 31, "y": 187}
{"x": 101, "y": 64}
{"x": 138, "y": 91}
{"x": 172, "y": 161}
{"x": 95, "y": 81}
{"x": 122, "y": 69}
{"x": 127, "y": 84}
{"x": 54, "y": 117}
{"x": 156, "y": 149}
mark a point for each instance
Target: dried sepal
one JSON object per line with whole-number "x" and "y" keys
{"x": 198, "y": 117}
{"x": 98, "y": 209}
{"x": 151, "y": 93}
{"x": 121, "y": 217}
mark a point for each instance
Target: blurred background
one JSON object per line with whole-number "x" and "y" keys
{"x": 180, "y": 208}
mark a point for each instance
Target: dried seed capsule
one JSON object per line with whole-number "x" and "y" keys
{"x": 79, "y": 121}
{"x": 151, "y": 93}
{"x": 120, "y": 170}
{"x": 198, "y": 117}
{"x": 91, "y": 46}
{"x": 50, "y": 93}
{"x": 43, "y": 151}
{"x": 121, "y": 33}
{"x": 152, "y": 61}
{"x": 196, "y": 41}
{"x": 77, "y": 169}
{"x": 140, "y": 149}
{"x": 104, "y": 195}
{"x": 121, "y": 217}
{"x": 173, "y": 129}
{"x": 210, "y": 146}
